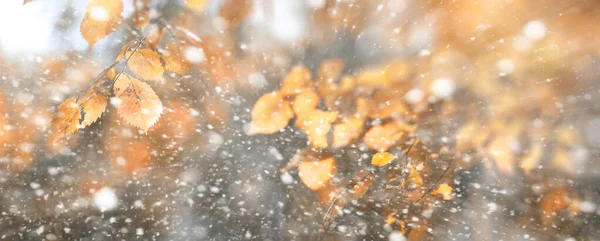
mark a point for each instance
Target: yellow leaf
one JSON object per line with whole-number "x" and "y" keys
{"x": 94, "y": 103}
{"x": 305, "y": 102}
{"x": 316, "y": 124}
{"x": 137, "y": 103}
{"x": 346, "y": 132}
{"x": 142, "y": 13}
{"x": 382, "y": 159}
{"x": 154, "y": 38}
{"x": 102, "y": 17}
{"x": 196, "y": 5}
{"x": 66, "y": 119}
{"x": 298, "y": 80}
{"x": 533, "y": 157}
{"x": 174, "y": 60}
{"x": 361, "y": 183}
{"x": 125, "y": 49}
{"x": 445, "y": 190}
{"x": 145, "y": 63}
{"x": 385, "y": 136}
{"x": 270, "y": 114}
{"x": 317, "y": 174}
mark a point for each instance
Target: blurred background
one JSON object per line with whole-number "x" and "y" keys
{"x": 508, "y": 87}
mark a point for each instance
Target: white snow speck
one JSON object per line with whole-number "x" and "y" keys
{"x": 535, "y": 30}
{"x": 505, "y": 66}
{"x": 105, "y": 199}
{"x": 139, "y": 231}
{"x": 396, "y": 236}
{"x": 443, "y": 88}
{"x": 194, "y": 54}
{"x": 99, "y": 13}
{"x": 286, "y": 178}
{"x": 414, "y": 96}
{"x": 587, "y": 207}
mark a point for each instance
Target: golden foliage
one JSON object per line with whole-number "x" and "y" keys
{"x": 196, "y": 5}
{"x": 382, "y": 159}
{"x": 445, "y": 190}
{"x": 271, "y": 113}
{"x": 382, "y": 137}
{"x": 347, "y": 131}
{"x": 533, "y": 157}
{"x": 94, "y": 103}
{"x": 102, "y": 17}
{"x": 66, "y": 119}
{"x": 297, "y": 81}
{"x": 138, "y": 104}
{"x": 142, "y": 13}
{"x": 174, "y": 60}
{"x": 154, "y": 38}
{"x": 317, "y": 174}
{"x": 145, "y": 63}
{"x": 316, "y": 124}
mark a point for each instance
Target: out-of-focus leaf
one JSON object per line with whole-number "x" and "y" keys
{"x": 298, "y": 80}
{"x": 382, "y": 159}
{"x": 270, "y": 114}
{"x": 316, "y": 125}
{"x": 532, "y": 158}
{"x": 174, "y": 60}
{"x": 102, "y": 17}
{"x": 445, "y": 190}
{"x": 196, "y": 5}
{"x": 317, "y": 174}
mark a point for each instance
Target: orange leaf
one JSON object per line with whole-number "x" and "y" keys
{"x": 445, "y": 190}
{"x": 361, "y": 183}
{"x": 145, "y": 63}
{"x": 102, "y": 17}
{"x": 196, "y": 5}
{"x": 533, "y": 157}
{"x": 66, "y": 119}
{"x": 316, "y": 174}
{"x": 174, "y": 60}
{"x": 298, "y": 80}
{"x": 382, "y": 159}
{"x": 270, "y": 114}
{"x": 385, "y": 136}
{"x": 346, "y": 132}
{"x": 305, "y": 102}
{"x": 142, "y": 14}
{"x": 138, "y": 104}
{"x": 94, "y": 103}
{"x": 154, "y": 38}
{"x": 316, "y": 124}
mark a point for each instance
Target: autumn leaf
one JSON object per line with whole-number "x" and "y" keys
{"x": 142, "y": 13}
{"x": 532, "y": 158}
{"x": 317, "y": 174}
{"x": 94, "y": 103}
{"x": 347, "y": 131}
{"x": 382, "y": 158}
{"x": 445, "y": 190}
{"x": 361, "y": 183}
{"x": 196, "y": 5}
{"x": 270, "y": 114}
{"x": 154, "y": 38}
{"x": 174, "y": 60}
{"x": 383, "y": 137}
{"x": 145, "y": 63}
{"x": 66, "y": 119}
{"x": 137, "y": 103}
{"x": 298, "y": 80}
{"x": 102, "y": 17}
{"x": 305, "y": 102}
{"x": 316, "y": 124}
